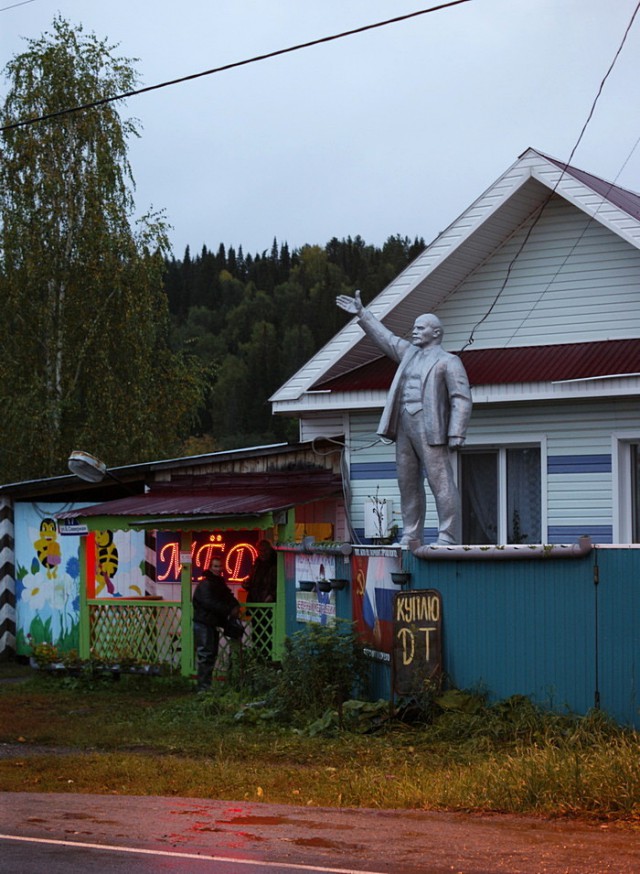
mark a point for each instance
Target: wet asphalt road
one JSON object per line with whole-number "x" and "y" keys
{"x": 73, "y": 832}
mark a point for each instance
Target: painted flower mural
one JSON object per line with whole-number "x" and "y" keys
{"x": 48, "y": 575}
{"x": 47, "y": 580}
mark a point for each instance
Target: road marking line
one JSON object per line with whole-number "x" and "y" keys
{"x": 232, "y": 859}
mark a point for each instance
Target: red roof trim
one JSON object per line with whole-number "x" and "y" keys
{"x": 626, "y": 200}
{"x": 506, "y": 366}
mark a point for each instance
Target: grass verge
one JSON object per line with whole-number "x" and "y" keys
{"x": 152, "y": 736}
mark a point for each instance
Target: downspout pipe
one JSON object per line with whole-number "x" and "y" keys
{"x": 509, "y": 551}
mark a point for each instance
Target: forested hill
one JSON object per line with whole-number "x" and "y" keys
{"x": 250, "y": 321}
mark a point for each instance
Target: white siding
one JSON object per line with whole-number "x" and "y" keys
{"x": 570, "y": 430}
{"x": 326, "y": 425}
{"x": 579, "y": 429}
{"x": 574, "y": 281}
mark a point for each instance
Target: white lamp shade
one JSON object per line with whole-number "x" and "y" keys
{"x": 87, "y": 466}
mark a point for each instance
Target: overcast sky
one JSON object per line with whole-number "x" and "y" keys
{"x": 393, "y": 131}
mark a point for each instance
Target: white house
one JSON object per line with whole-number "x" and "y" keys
{"x": 537, "y": 284}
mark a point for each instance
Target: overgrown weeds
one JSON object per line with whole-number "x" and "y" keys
{"x": 152, "y": 735}
{"x": 322, "y": 667}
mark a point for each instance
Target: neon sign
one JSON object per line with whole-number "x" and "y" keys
{"x": 234, "y": 548}
{"x": 235, "y": 562}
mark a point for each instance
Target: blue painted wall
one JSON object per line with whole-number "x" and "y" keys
{"x": 543, "y": 628}
{"x": 536, "y": 627}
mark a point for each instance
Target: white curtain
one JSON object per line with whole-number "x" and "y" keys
{"x": 523, "y": 496}
{"x": 479, "y": 497}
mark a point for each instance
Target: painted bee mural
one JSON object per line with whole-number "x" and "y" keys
{"x": 52, "y": 567}
{"x": 107, "y": 561}
{"x": 48, "y": 548}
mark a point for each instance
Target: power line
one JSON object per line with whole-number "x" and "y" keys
{"x": 13, "y": 5}
{"x": 253, "y": 60}
{"x": 555, "y": 187}
{"x": 577, "y": 241}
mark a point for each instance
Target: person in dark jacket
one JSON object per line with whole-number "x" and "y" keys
{"x": 214, "y": 605}
{"x": 262, "y": 584}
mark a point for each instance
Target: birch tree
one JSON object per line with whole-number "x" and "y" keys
{"x": 84, "y": 359}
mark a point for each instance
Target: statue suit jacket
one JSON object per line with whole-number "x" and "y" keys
{"x": 446, "y": 396}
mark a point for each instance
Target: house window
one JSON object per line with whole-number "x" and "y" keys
{"x": 501, "y": 495}
{"x": 635, "y": 492}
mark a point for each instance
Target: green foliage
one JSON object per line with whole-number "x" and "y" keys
{"x": 460, "y": 717}
{"x": 322, "y": 667}
{"x": 357, "y": 717}
{"x": 107, "y": 342}
{"x": 152, "y": 736}
{"x": 85, "y": 320}
{"x": 252, "y": 322}
{"x": 45, "y": 654}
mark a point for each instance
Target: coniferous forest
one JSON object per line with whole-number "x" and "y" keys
{"x": 248, "y": 322}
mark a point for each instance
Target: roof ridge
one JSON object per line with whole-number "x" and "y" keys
{"x": 604, "y": 187}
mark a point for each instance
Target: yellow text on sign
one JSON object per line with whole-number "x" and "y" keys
{"x": 410, "y": 638}
{"x": 421, "y": 609}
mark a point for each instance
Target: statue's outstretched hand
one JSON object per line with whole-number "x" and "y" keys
{"x": 351, "y": 305}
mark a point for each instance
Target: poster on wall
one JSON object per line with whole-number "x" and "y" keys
{"x": 372, "y": 603}
{"x": 315, "y": 605}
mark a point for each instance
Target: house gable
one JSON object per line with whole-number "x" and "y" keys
{"x": 581, "y": 248}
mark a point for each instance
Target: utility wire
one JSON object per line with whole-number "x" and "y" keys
{"x": 14, "y": 5}
{"x": 577, "y": 241}
{"x": 545, "y": 203}
{"x": 254, "y": 60}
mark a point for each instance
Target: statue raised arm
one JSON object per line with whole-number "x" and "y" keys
{"x": 351, "y": 305}
{"x": 426, "y": 413}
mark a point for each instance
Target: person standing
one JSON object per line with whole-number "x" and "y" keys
{"x": 263, "y": 582}
{"x": 426, "y": 413}
{"x": 214, "y": 605}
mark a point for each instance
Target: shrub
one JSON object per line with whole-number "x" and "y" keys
{"x": 322, "y": 667}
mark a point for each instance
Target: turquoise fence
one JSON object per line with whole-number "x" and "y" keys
{"x": 566, "y": 632}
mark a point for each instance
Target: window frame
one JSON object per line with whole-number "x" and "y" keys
{"x": 520, "y": 441}
{"x": 621, "y": 481}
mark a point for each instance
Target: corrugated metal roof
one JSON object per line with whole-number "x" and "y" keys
{"x": 140, "y": 471}
{"x": 624, "y": 199}
{"x": 222, "y": 495}
{"x": 522, "y": 364}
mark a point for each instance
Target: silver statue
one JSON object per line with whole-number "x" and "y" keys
{"x": 426, "y": 413}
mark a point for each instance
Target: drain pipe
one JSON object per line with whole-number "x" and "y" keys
{"x": 509, "y": 551}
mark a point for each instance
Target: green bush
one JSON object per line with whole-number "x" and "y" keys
{"x": 323, "y": 666}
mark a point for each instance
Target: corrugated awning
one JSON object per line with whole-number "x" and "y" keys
{"x": 218, "y": 495}
{"x": 564, "y": 361}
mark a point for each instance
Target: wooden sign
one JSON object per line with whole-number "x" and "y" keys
{"x": 417, "y": 640}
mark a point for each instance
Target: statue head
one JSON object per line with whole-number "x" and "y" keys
{"x": 427, "y": 331}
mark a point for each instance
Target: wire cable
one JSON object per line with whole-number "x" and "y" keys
{"x": 546, "y": 201}
{"x": 95, "y": 103}
{"x": 14, "y": 5}
{"x": 575, "y": 244}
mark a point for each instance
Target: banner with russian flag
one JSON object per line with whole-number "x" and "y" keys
{"x": 372, "y": 601}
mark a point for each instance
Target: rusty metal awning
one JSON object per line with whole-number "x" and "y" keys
{"x": 219, "y": 495}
